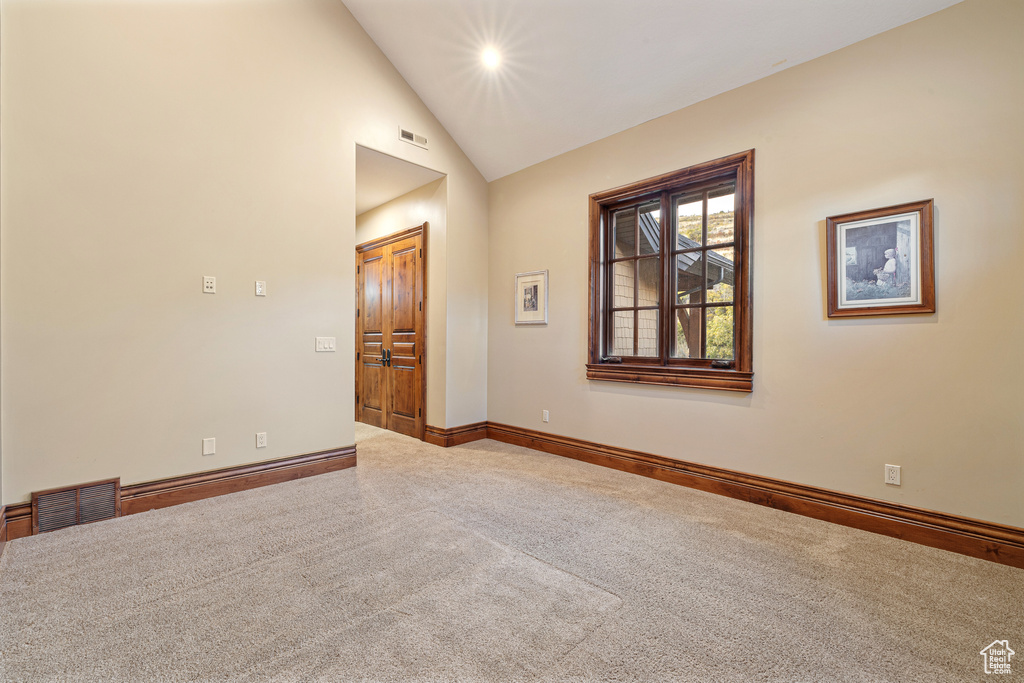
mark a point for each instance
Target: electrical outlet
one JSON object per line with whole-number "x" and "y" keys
{"x": 544, "y": 415}
{"x": 261, "y": 288}
{"x": 892, "y": 475}
{"x": 261, "y": 439}
{"x": 209, "y": 446}
{"x": 209, "y": 284}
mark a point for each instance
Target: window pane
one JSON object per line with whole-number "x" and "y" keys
{"x": 650, "y": 282}
{"x": 686, "y": 343}
{"x": 720, "y": 333}
{"x": 647, "y": 333}
{"x": 622, "y": 333}
{"x": 650, "y": 227}
{"x": 689, "y": 222}
{"x": 688, "y": 277}
{"x": 624, "y": 229}
{"x": 721, "y": 275}
{"x": 721, "y": 209}
{"x": 623, "y": 284}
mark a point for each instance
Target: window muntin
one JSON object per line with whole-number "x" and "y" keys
{"x": 670, "y": 264}
{"x": 634, "y": 290}
{"x": 705, "y": 273}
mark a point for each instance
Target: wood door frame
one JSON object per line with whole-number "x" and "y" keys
{"x": 376, "y": 244}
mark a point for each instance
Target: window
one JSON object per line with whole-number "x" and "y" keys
{"x": 670, "y": 295}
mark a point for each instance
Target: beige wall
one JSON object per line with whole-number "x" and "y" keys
{"x": 148, "y": 144}
{"x": 425, "y": 204}
{"x": 931, "y": 109}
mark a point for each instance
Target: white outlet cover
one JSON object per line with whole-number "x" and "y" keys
{"x": 261, "y": 288}
{"x": 209, "y": 284}
{"x": 261, "y": 439}
{"x": 892, "y": 475}
{"x": 209, "y": 446}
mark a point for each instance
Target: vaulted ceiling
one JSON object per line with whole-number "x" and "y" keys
{"x": 575, "y": 71}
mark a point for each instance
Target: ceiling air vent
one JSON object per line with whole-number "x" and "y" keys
{"x": 412, "y": 138}
{"x": 70, "y": 506}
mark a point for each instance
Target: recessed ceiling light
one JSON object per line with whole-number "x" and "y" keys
{"x": 491, "y": 58}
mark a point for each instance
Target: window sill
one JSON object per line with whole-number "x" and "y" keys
{"x": 698, "y": 378}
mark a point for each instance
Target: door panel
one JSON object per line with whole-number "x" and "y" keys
{"x": 390, "y": 325}
{"x": 372, "y": 373}
{"x": 372, "y": 271}
{"x": 370, "y": 293}
{"x": 403, "y": 288}
{"x": 404, "y": 387}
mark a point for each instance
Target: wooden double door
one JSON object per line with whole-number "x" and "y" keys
{"x": 390, "y": 303}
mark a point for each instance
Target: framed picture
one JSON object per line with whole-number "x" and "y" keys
{"x": 532, "y": 298}
{"x": 881, "y": 262}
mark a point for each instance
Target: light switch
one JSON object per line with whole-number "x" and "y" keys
{"x": 209, "y": 446}
{"x": 325, "y": 344}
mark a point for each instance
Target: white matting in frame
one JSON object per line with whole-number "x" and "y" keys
{"x": 531, "y": 298}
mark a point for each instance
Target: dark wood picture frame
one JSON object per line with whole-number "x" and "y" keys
{"x": 899, "y": 241}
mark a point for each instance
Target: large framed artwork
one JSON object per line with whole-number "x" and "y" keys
{"x": 531, "y": 294}
{"x": 881, "y": 262}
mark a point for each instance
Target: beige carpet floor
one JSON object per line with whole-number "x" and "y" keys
{"x": 488, "y": 562}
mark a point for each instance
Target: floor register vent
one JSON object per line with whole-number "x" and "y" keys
{"x": 70, "y": 506}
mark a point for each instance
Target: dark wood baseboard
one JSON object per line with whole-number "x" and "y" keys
{"x": 986, "y": 540}
{"x": 18, "y": 521}
{"x": 154, "y": 495}
{"x": 455, "y": 435}
{"x": 989, "y": 541}
{"x": 3, "y": 529}
{"x": 176, "y": 490}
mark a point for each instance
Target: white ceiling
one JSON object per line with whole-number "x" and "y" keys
{"x": 575, "y": 71}
{"x": 380, "y": 178}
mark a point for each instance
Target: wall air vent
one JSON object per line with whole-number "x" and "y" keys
{"x": 411, "y": 138}
{"x": 69, "y": 506}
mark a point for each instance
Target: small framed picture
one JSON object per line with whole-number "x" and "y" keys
{"x": 532, "y": 298}
{"x": 881, "y": 262}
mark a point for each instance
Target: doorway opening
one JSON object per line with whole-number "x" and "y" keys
{"x": 400, "y": 209}
{"x": 390, "y": 332}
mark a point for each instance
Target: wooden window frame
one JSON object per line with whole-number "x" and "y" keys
{"x": 686, "y": 372}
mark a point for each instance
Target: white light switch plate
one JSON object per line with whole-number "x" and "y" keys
{"x": 209, "y": 446}
{"x": 261, "y": 288}
{"x": 325, "y": 344}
